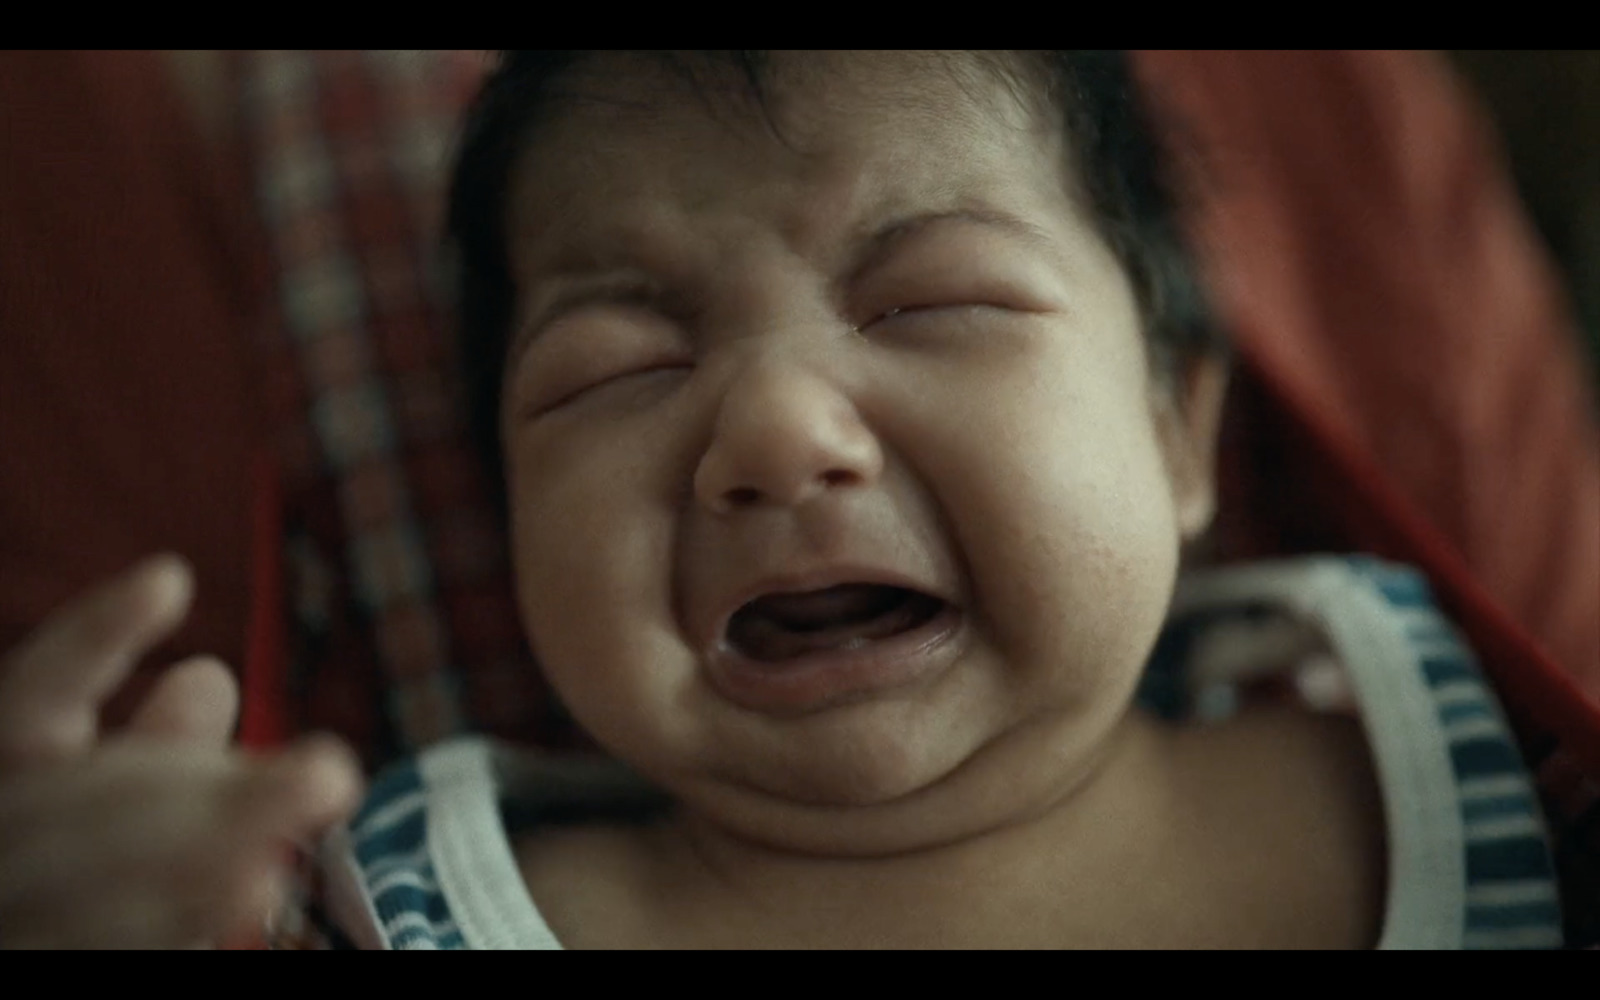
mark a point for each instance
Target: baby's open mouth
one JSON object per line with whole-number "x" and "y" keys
{"x": 779, "y": 627}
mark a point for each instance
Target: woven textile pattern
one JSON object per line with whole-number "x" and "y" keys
{"x": 399, "y": 578}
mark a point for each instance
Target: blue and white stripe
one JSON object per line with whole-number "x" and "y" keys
{"x": 390, "y": 844}
{"x": 1511, "y": 896}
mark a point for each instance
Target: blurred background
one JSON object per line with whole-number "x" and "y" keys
{"x": 1546, "y": 106}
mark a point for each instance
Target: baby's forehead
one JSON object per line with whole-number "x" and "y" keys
{"x": 830, "y": 139}
{"x": 803, "y": 95}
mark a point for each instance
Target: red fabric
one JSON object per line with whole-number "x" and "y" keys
{"x": 1375, "y": 271}
{"x": 127, "y": 294}
{"x": 264, "y": 714}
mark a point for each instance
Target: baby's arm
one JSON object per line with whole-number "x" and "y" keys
{"x": 159, "y": 835}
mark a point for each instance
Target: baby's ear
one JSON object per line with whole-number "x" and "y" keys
{"x": 1188, "y": 412}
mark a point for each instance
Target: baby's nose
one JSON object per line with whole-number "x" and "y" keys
{"x": 784, "y": 436}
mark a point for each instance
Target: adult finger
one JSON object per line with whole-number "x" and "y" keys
{"x": 194, "y": 702}
{"x": 52, "y": 686}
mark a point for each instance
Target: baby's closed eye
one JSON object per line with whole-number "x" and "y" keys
{"x": 598, "y": 347}
{"x": 965, "y": 313}
{"x": 946, "y": 283}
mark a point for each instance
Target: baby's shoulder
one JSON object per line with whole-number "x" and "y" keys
{"x": 1408, "y": 757}
{"x": 1286, "y": 817}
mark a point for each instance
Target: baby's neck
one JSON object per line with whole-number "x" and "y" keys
{"x": 689, "y": 881}
{"x": 994, "y": 887}
{"x": 1245, "y": 835}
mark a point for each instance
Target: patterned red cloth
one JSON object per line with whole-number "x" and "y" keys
{"x": 396, "y": 562}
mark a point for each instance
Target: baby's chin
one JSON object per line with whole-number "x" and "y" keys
{"x": 876, "y": 751}
{"x": 881, "y": 797}
{"x": 870, "y": 796}
{"x": 862, "y": 771}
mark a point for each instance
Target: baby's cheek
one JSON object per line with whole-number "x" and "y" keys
{"x": 559, "y": 552}
{"x": 1073, "y": 551}
{"x": 591, "y": 561}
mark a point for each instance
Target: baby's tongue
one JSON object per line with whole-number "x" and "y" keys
{"x": 815, "y": 609}
{"x": 781, "y": 626}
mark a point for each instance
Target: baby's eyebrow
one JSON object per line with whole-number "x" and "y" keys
{"x": 882, "y": 240}
{"x": 567, "y": 290}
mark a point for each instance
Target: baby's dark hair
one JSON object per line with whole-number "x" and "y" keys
{"x": 1121, "y": 164}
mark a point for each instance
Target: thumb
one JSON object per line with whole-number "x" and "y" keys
{"x": 195, "y": 702}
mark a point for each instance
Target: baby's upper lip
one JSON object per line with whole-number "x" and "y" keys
{"x": 713, "y": 624}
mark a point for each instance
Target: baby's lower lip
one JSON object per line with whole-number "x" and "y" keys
{"x": 824, "y": 679}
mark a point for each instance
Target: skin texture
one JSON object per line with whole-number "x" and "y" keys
{"x": 769, "y": 414}
{"x": 872, "y": 332}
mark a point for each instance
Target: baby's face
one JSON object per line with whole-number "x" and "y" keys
{"x": 840, "y": 490}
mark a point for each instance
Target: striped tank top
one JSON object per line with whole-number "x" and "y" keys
{"x": 427, "y": 862}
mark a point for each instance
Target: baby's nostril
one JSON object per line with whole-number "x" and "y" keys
{"x": 839, "y": 477}
{"x": 743, "y": 496}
